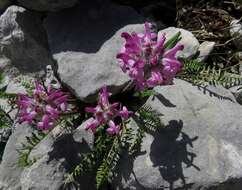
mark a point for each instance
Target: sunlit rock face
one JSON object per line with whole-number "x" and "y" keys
{"x": 199, "y": 146}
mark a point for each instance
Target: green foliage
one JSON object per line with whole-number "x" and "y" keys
{"x": 27, "y": 84}
{"x": 201, "y": 74}
{"x": 107, "y": 149}
{"x": 5, "y": 120}
{"x": 91, "y": 159}
{"x": 1, "y": 77}
{"x": 24, "y": 151}
{"x": 144, "y": 93}
{"x": 173, "y": 41}
{"x": 148, "y": 118}
{"x": 109, "y": 162}
{"x": 69, "y": 120}
{"x": 102, "y": 159}
{"x": 137, "y": 141}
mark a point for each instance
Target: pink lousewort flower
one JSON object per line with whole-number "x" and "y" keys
{"x": 113, "y": 129}
{"x": 43, "y": 108}
{"x": 146, "y": 60}
{"x": 105, "y": 113}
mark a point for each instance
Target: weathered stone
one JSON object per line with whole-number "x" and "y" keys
{"x": 86, "y": 45}
{"x": 55, "y": 158}
{"x": 191, "y": 44}
{"x": 47, "y": 5}
{"x": 85, "y": 74}
{"x": 5, "y": 134}
{"x": 236, "y": 33}
{"x": 205, "y": 50}
{"x": 199, "y": 147}
{"x": 9, "y": 168}
{"x": 237, "y": 92}
{"x": 23, "y": 42}
{"x": 56, "y": 155}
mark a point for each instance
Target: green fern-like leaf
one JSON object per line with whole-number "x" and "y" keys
{"x": 5, "y": 120}
{"x": 137, "y": 141}
{"x": 107, "y": 149}
{"x": 27, "y": 84}
{"x": 144, "y": 93}
{"x": 92, "y": 160}
{"x": 27, "y": 147}
{"x": 104, "y": 157}
{"x": 200, "y": 74}
{"x": 148, "y": 118}
{"x": 1, "y": 77}
{"x": 105, "y": 170}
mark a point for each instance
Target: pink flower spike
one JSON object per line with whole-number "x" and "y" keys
{"x": 171, "y": 53}
{"x": 160, "y": 44}
{"x": 103, "y": 100}
{"x": 91, "y": 124}
{"x": 126, "y": 36}
{"x": 147, "y": 30}
{"x": 28, "y": 117}
{"x": 44, "y": 124}
{"x": 61, "y": 99}
{"x": 125, "y": 113}
{"x": 113, "y": 129}
{"x": 24, "y": 103}
{"x": 52, "y": 111}
{"x": 141, "y": 54}
{"x": 63, "y": 106}
{"x": 38, "y": 88}
{"x": 90, "y": 110}
{"x": 55, "y": 94}
{"x": 155, "y": 79}
{"x": 43, "y": 107}
{"x": 114, "y": 105}
{"x": 49, "y": 88}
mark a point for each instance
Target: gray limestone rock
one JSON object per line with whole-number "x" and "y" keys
{"x": 56, "y": 155}
{"x": 85, "y": 40}
{"x": 23, "y": 41}
{"x": 205, "y": 49}
{"x": 236, "y": 33}
{"x": 10, "y": 170}
{"x": 191, "y": 44}
{"x": 199, "y": 147}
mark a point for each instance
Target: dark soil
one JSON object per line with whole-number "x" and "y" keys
{"x": 209, "y": 20}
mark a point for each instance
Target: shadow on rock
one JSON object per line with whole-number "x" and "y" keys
{"x": 169, "y": 152}
{"x": 165, "y": 101}
{"x": 212, "y": 93}
{"x": 69, "y": 151}
{"x": 85, "y": 27}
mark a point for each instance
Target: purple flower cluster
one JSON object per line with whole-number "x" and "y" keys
{"x": 147, "y": 61}
{"x": 105, "y": 113}
{"x": 43, "y": 107}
